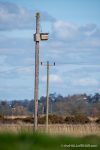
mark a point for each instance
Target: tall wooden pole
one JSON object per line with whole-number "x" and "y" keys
{"x": 47, "y": 96}
{"x": 36, "y": 72}
{"x": 37, "y": 38}
{"x": 47, "y": 92}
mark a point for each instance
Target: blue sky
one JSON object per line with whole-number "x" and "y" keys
{"x": 74, "y": 44}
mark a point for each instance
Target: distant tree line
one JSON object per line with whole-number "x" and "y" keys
{"x": 69, "y": 105}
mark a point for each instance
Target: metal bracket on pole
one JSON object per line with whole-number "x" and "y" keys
{"x": 37, "y": 37}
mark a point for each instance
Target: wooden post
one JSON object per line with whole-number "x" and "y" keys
{"x": 36, "y": 72}
{"x": 47, "y": 96}
{"x": 47, "y": 93}
{"x": 37, "y": 38}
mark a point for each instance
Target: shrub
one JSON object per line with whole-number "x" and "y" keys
{"x": 82, "y": 119}
{"x": 77, "y": 119}
{"x": 98, "y": 120}
{"x": 69, "y": 119}
{"x": 42, "y": 120}
{"x": 1, "y": 117}
{"x": 53, "y": 119}
{"x": 28, "y": 120}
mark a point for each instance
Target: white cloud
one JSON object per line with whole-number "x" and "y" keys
{"x": 13, "y": 16}
{"x": 24, "y": 70}
{"x": 64, "y": 30}
{"x": 87, "y": 35}
{"x": 16, "y": 72}
{"x": 2, "y": 59}
{"x": 69, "y": 43}
{"x": 10, "y": 18}
{"x": 88, "y": 29}
{"x": 85, "y": 82}
{"x": 11, "y": 51}
{"x": 53, "y": 78}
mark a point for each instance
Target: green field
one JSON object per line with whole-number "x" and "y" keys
{"x": 38, "y": 141}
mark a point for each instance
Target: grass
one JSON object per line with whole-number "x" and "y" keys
{"x": 54, "y": 129}
{"x": 37, "y": 141}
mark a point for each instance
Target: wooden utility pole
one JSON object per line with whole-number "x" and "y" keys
{"x": 47, "y": 92}
{"x": 36, "y": 71}
{"x": 37, "y": 38}
{"x": 47, "y": 97}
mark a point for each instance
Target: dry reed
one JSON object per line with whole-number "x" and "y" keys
{"x": 62, "y": 129}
